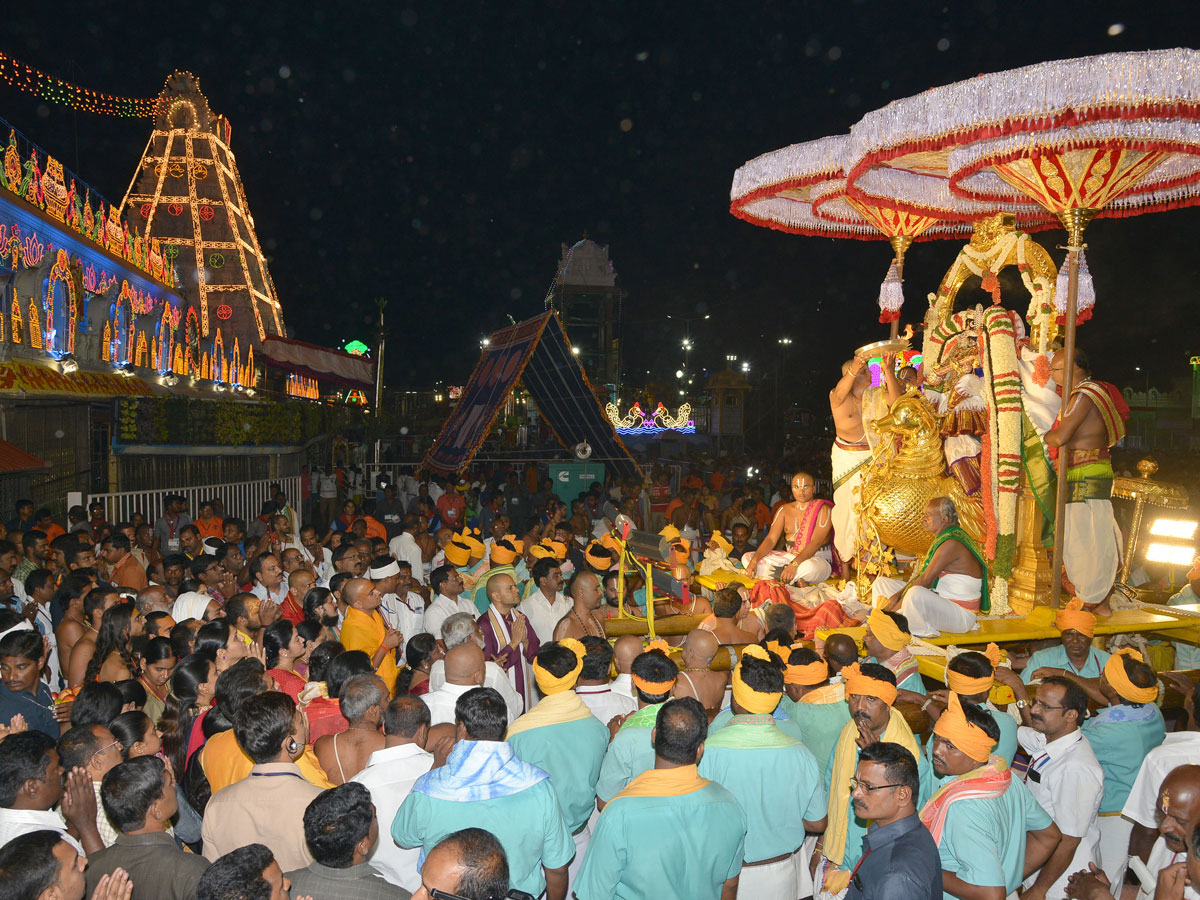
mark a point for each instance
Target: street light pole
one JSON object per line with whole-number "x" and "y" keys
{"x": 783, "y": 342}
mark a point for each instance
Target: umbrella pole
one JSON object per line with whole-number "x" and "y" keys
{"x": 900, "y": 243}
{"x": 1074, "y": 221}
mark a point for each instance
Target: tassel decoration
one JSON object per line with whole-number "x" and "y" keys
{"x": 1085, "y": 298}
{"x": 891, "y": 296}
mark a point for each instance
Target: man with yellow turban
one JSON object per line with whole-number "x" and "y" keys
{"x": 1075, "y": 657}
{"x": 971, "y": 675}
{"x": 631, "y": 750}
{"x": 783, "y": 720}
{"x": 817, "y": 706}
{"x": 1121, "y": 735}
{"x": 754, "y": 760}
{"x": 870, "y": 693}
{"x": 886, "y": 640}
{"x": 562, "y": 737}
{"x": 988, "y": 827}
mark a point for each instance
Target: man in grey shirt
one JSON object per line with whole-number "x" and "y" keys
{"x": 340, "y": 828}
{"x": 900, "y": 860}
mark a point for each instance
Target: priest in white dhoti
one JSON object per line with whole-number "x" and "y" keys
{"x": 948, "y": 588}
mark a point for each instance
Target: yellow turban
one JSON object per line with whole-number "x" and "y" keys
{"x": 607, "y": 540}
{"x": 457, "y": 554}
{"x": 506, "y": 549}
{"x": 756, "y": 703}
{"x": 671, "y": 533}
{"x": 541, "y": 551}
{"x": 967, "y": 737}
{"x": 886, "y": 631}
{"x": 598, "y": 556}
{"x": 808, "y": 674}
{"x": 866, "y": 686}
{"x": 1114, "y": 673}
{"x": 1073, "y": 617}
{"x": 719, "y": 539}
{"x": 779, "y": 650}
{"x": 679, "y": 551}
{"x": 968, "y": 686}
{"x": 552, "y": 684}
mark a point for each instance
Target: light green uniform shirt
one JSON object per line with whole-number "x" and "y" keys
{"x": 629, "y": 755}
{"x": 983, "y": 841}
{"x": 1006, "y": 746}
{"x": 572, "y": 753}
{"x": 786, "y": 723}
{"x": 821, "y": 724}
{"x": 776, "y": 781}
{"x": 529, "y": 824}
{"x": 1056, "y": 658}
{"x": 1121, "y": 736}
{"x": 664, "y": 848}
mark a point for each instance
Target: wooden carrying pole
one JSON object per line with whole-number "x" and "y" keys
{"x": 1074, "y": 221}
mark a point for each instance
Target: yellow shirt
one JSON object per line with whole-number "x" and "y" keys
{"x": 226, "y": 763}
{"x": 365, "y": 632}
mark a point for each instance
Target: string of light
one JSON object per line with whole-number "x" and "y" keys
{"x": 23, "y": 77}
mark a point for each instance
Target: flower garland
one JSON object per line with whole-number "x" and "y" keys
{"x": 1004, "y": 389}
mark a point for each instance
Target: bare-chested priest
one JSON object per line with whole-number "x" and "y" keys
{"x": 1094, "y": 421}
{"x": 948, "y": 587}
{"x": 696, "y": 679}
{"x": 731, "y": 621}
{"x": 849, "y": 454}
{"x": 807, "y": 523}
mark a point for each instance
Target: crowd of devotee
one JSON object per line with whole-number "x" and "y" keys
{"x": 412, "y": 690}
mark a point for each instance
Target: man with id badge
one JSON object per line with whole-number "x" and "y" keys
{"x": 169, "y": 524}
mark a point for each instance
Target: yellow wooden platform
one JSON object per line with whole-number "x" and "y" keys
{"x": 724, "y": 578}
{"x": 1007, "y": 631}
{"x": 1191, "y": 633}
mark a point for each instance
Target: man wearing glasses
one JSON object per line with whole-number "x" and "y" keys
{"x": 900, "y": 860}
{"x": 93, "y": 749}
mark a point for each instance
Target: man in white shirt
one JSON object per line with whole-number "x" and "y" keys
{"x": 464, "y": 671}
{"x": 404, "y": 547}
{"x": 389, "y": 776}
{"x": 27, "y": 803}
{"x": 1141, "y": 807}
{"x": 447, "y": 584}
{"x": 1066, "y": 780}
{"x": 462, "y": 628}
{"x": 401, "y": 608}
{"x": 269, "y": 581}
{"x": 546, "y": 605}
{"x": 320, "y": 558}
{"x": 593, "y": 687}
{"x": 626, "y": 649}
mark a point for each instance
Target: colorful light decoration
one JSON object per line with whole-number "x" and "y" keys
{"x": 636, "y": 422}
{"x": 357, "y": 348}
{"x": 903, "y": 358}
{"x": 54, "y": 90}
{"x": 303, "y": 387}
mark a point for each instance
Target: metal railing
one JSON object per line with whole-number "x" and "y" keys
{"x": 243, "y": 499}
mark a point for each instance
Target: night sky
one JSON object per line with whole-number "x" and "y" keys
{"x": 439, "y": 155}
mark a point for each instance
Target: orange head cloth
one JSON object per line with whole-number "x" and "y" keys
{"x": 553, "y": 684}
{"x": 457, "y": 554}
{"x": 1073, "y": 617}
{"x": 970, "y": 739}
{"x": 779, "y": 650}
{"x": 757, "y": 703}
{"x": 598, "y": 556}
{"x": 607, "y": 540}
{"x": 1114, "y": 673}
{"x": 659, "y": 644}
{"x": 680, "y": 548}
{"x": 506, "y": 549}
{"x": 807, "y": 675}
{"x": 968, "y": 686}
{"x": 886, "y": 631}
{"x": 657, "y": 688}
{"x": 866, "y": 686}
{"x": 541, "y": 551}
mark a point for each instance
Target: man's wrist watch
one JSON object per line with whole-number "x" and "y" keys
{"x": 1021, "y": 704}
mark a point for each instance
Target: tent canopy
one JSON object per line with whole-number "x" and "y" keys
{"x": 535, "y": 353}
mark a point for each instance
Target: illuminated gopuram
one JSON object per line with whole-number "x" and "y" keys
{"x": 188, "y": 194}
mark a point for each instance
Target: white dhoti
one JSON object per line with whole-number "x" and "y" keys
{"x": 1091, "y": 548}
{"x": 581, "y": 844}
{"x": 848, "y": 467}
{"x": 774, "y": 881}
{"x": 1114, "y": 846}
{"x": 952, "y": 607}
{"x": 802, "y": 859}
{"x": 815, "y": 569}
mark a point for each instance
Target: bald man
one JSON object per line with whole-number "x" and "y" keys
{"x": 840, "y": 651}
{"x": 364, "y": 629}
{"x": 464, "y": 670}
{"x": 587, "y": 596}
{"x": 696, "y": 679}
{"x": 508, "y": 639}
{"x": 625, "y": 650}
